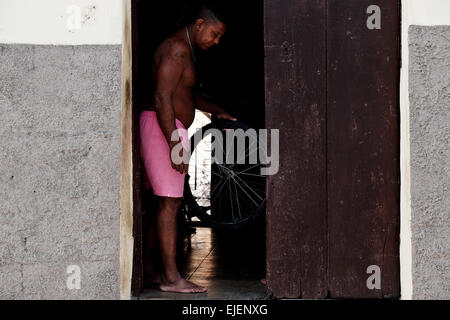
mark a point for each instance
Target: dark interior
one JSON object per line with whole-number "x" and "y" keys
{"x": 232, "y": 75}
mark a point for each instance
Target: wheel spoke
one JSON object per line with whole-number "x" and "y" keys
{"x": 238, "y": 184}
{"x": 251, "y": 174}
{"x": 249, "y": 188}
{"x": 228, "y": 193}
{"x": 231, "y": 202}
{"x": 254, "y": 166}
{"x": 218, "y": 186}
{"x": 237, "y": 199}
{"x": 245, "y": 154}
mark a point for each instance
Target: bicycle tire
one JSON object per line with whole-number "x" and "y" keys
{"x": 194, "y": 208}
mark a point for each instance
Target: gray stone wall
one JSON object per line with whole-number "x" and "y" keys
{"x": 59, "y": 170}
{"x": 429, "y": 88}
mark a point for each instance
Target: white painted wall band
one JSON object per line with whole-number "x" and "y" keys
{"x": 61, "y": 22}
{"x": 405, "y": 181}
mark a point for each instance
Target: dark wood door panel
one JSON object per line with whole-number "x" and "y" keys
{"x": 295, "y": 104}
{"x": 363, "y": 148}
{"x": 137, "y": 272}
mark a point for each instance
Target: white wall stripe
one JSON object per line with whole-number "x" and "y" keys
{"x": 61, "y": 22}
{"x": 428, "y": 12}
{"x": 405, "y": 181}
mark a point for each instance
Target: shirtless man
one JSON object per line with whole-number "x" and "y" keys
{"x": 173, "y": 108}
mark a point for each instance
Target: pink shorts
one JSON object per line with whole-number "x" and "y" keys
{"x": 155, "y": 155}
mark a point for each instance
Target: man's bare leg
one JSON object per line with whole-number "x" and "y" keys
{"x": 171, "y": 279}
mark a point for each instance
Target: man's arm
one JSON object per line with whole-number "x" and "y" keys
{"x": 168, "y": 76}
{"x": 204, "y": 105}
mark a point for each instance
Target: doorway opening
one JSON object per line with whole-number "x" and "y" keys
{"x": 230, "y": 262}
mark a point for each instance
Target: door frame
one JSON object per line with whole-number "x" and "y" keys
{"x": 128, "y": 179}
{"x": 126, "y": 164}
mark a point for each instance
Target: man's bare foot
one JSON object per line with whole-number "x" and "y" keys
{"x": 181, "y": 286}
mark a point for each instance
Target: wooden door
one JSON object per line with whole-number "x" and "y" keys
{"x": 363, "y": 147}
{"x": 296, "y": 104}
{"x": 332, "y": 88}
{"x": 138, "y": 263}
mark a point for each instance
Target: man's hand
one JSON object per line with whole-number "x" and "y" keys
{"x": 182, "y": 168}
{"x": 225, "y": 115}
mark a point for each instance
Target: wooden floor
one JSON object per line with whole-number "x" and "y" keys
{"x": 230, "y": 264}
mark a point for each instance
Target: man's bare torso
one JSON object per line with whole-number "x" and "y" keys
{"x": 183, "y": 96}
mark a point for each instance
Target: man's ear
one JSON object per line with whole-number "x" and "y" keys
{"x": 199, "y": 23}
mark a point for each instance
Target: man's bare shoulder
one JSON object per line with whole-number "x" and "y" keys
{"x": 173, "y": 48}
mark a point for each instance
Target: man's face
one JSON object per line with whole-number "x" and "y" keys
{"x": 210, "y": 33}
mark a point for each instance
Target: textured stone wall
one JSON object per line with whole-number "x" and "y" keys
{"x": 429, "y": 94}
{"x": 59, "y": 170}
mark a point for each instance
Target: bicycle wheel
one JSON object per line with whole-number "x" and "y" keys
{"x": 224, "y": 195}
